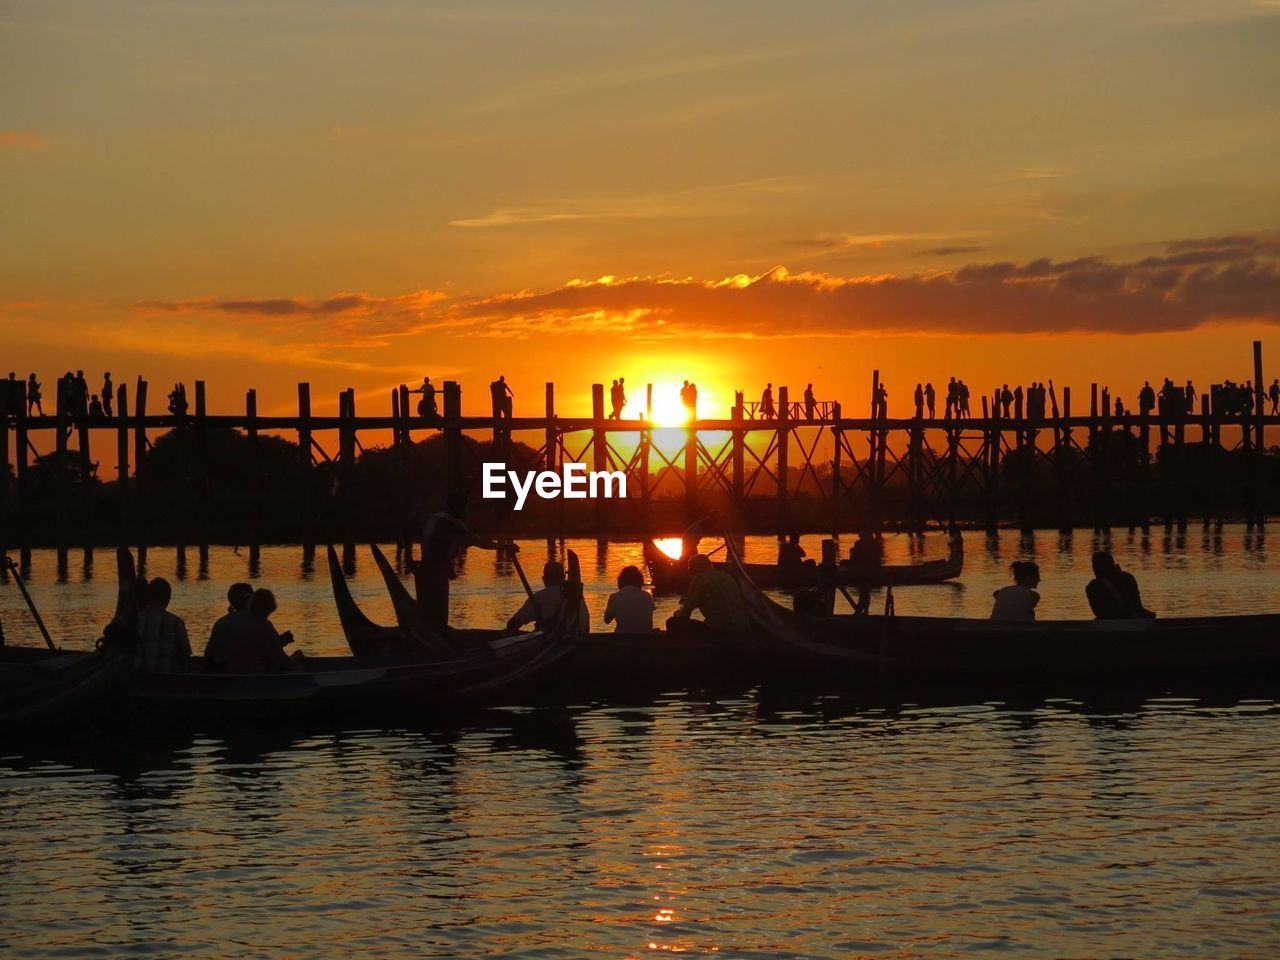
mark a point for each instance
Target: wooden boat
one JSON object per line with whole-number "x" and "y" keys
{"x": 332, "y": 686}
{"x": 670, "y": 575}
{"x": 47, "y": 684}
{"x": 951, "y": 649}
{"x": 394, "y": 671}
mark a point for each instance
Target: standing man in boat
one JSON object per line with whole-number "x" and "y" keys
{"x": 445, "y": 538}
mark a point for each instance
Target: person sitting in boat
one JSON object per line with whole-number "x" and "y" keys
{"x": 163, "y": 646}
{"x": 256, "y": 646}
{"x": 1018, "y": 600}
{"x": 867, "y": 550}
{"x": 1113, "y": 593}
{"x": 215, "y": 651}
{"x": 445, "y": 538}
{"x": 631, "y": 607}
{"x": 540, "y": 609}
{"x": 716, "y": 594}
{"x": 790, "y": 553}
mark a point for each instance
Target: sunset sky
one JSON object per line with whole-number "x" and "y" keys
{"x": 358, "y": 194}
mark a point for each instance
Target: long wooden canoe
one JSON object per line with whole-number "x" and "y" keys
{"x": 670, "y": 575}
{"x": 345, "y": 686}
{"x": 944, "y": 647}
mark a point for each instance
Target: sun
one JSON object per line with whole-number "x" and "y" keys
{"x": 668, "y": 409}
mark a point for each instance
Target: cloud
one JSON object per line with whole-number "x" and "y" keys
{"x": 713, "y": 200}
{"x": 836, "y": 241}
{"x": 951, "y": 250}
{"x": 26, "y": 141}
{"x": 559, "y": 87}
{"x": 1185, "y": 284}
{"x": 349, "y": 319}
{"x": 1196, "y": 283}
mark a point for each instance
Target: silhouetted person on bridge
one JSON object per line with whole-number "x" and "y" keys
{"x": 14, "y": 397}
{"x": 810, "y": 404}
{"x": 502, "y": 397}
{"x": 962, "y": 394}
{"x": 80, "y": 395}
{"x": 1006, "y": 400}
{"x": 427, "y": 405}
{"x": 1190, "y": 392}
{"x": 1146, "y": 398}
{"x": 766, "y": 403}
{"x": 880, "y": 402}
{"x": 95, "y": 408}
{"x": 1274, "y": 394}
{"x": 106, "y": 394}
{"x": 33, "y": 395}
{"x": 617, "y": 398}
{"x": 918, "y": 397}
{"x": 178, "y": 400}
{"x": 931, "y": 399}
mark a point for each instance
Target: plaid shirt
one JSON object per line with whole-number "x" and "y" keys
{"x": 163, "y": 646}
{"x": 719, "y": 597}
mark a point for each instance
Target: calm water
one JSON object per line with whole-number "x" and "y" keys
{"x": 754, "y": 827}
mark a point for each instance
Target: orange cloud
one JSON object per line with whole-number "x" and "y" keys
{"x": 24, "y": 140}
{"x": 1192, "y": 283}
{"x": 1187, "y": 284}
{"x": 351, "y": 319}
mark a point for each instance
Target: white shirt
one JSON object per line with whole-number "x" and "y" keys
{"x": 541, "y": 608}
{"x": 1015, "y": 602}
{"x": 633, "y": 610}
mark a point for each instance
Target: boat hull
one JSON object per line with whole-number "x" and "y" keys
{"x": 671, "y": 576}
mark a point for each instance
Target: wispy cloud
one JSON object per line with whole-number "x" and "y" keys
{"x": 558, "y": 87}
{"x": 703, "y": 201}
{"x": 836, "y": 241}
{"x": 348, "y": 319}
{"x": 24, "y": 140}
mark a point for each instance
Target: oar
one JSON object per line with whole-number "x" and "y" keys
{"x": 515, "y": 560}
{"x": 17, "y": 578}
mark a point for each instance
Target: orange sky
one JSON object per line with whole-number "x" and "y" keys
{"x": 357, "y": 196}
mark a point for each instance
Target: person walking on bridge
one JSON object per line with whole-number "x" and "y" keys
{"x": 766, "y": 403}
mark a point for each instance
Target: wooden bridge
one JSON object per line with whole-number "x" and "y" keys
{"x": 828, "y": 471}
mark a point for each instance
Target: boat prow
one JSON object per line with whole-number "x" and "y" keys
{"x": 365, "y": 637}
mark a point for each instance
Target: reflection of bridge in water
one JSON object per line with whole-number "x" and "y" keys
{"x": 829, "y": 471}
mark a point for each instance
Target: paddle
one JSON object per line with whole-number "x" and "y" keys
{"x": 515, "y": 560}
{"x": 17, "y": 578}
